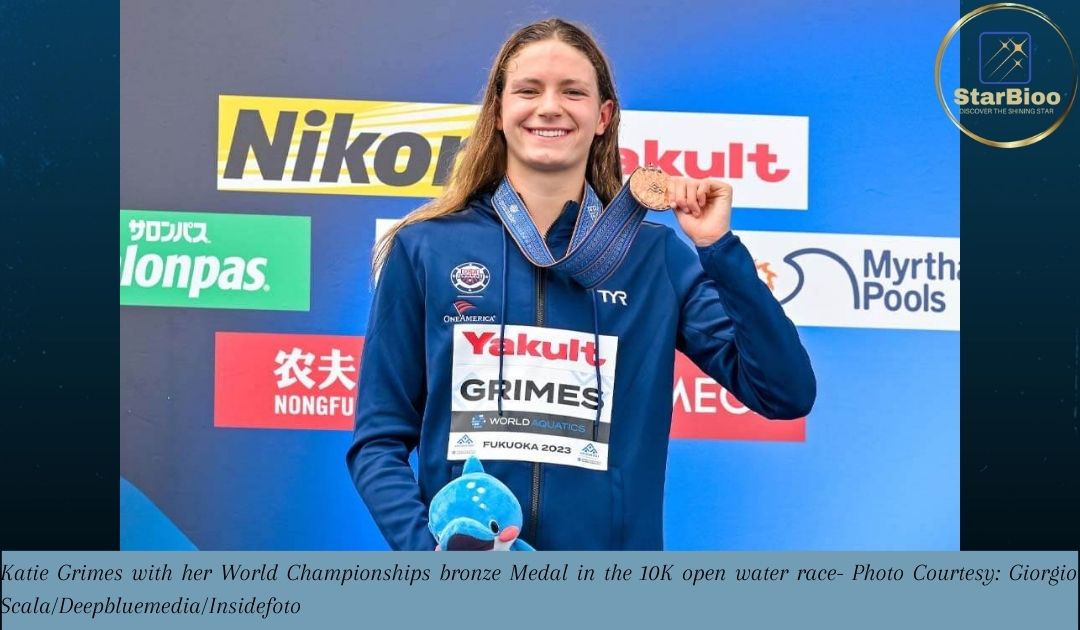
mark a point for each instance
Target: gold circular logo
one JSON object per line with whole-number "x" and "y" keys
{"x": 986, "y": 9}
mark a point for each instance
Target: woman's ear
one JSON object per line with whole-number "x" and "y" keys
{"x": 607, "y": 108}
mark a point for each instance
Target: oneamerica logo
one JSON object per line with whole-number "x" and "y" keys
{"x": 468, "y": 319}
{"x": 462, "y": 307}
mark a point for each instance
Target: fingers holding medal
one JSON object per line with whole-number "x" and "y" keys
{"x": 656, "y": 190}
{"x": 702, "y": 206}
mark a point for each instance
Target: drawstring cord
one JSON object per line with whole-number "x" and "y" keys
{"x": 502, "y": 325}
{"x": 596, "y": 362}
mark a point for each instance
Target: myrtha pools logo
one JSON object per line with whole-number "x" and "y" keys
{"x": 861, "y": 281}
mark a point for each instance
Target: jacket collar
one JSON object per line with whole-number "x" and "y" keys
{"x": 558, "y": 236}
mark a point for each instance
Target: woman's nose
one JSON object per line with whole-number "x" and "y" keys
{"x": 549, "y": 104}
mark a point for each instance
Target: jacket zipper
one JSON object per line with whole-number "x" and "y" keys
{"x": 534, "y": 512}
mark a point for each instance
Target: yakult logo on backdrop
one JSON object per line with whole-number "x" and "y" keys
{"x": 765, "y": 158}
{"x": 861, "y": 281}
{"x": 275, "y": 381}
{"x": 407, "y": 149}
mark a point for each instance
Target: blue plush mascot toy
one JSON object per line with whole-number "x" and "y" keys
{"x": 476, "y": 512}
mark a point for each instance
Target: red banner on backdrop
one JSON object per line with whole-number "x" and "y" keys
{"x": 703, "y": 410}
{"x": 273, "y": 381}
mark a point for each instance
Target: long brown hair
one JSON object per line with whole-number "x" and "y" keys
{"x": 481, "y": 162}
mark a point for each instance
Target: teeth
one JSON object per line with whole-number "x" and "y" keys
{"x": 549, "y": 133}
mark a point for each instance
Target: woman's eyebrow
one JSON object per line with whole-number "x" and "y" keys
{"x": 535, "y": 81}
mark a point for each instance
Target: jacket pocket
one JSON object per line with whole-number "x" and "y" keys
{"x": 618, "y": 525}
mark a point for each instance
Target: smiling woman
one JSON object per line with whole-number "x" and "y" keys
{"x": 552, "y": 114}
{"x": 553, "y": 73}
{"x": 559, "y": 379}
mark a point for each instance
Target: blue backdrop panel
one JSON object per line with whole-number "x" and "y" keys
{"x": 879, "y": 468}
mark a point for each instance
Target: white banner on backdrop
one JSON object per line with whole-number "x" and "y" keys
{"x": 764, "y": 158}
{"x": 861, "y": 280}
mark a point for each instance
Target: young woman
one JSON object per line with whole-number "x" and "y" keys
{"x": 562, "y": 387}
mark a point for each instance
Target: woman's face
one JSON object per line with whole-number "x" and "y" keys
{"x": 551, "y": 108}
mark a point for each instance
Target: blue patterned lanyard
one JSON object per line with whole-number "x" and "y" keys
{"x": 601, "y": 238}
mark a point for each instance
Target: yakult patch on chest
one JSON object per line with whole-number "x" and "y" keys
{"x": 548, "y": 390}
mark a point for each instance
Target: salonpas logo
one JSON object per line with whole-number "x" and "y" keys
{"x": 209, "y": 260}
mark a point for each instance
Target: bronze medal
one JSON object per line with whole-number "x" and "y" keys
{"x": 649, "y": 185}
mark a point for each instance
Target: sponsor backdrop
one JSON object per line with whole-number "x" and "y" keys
{"x": 265, "y": 146}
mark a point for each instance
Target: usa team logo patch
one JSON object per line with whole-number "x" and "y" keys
{"x": 470, "y": 277}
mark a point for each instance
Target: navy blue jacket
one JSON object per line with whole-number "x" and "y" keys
{"x": 710, "y": 305}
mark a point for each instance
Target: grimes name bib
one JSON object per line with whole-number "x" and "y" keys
{"x": 549, "y": 395}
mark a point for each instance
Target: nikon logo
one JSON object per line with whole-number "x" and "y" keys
{"x": 330, "y": 146}
{"x": 207, "y": 260}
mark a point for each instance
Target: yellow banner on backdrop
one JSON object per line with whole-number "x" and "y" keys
{"x": 330, "y": 146}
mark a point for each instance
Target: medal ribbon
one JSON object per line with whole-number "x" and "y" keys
{"x": 598, "y": 245}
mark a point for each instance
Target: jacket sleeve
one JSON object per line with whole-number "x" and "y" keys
{"x": 732, "y": 327}
{"x": 389, "y": 408}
